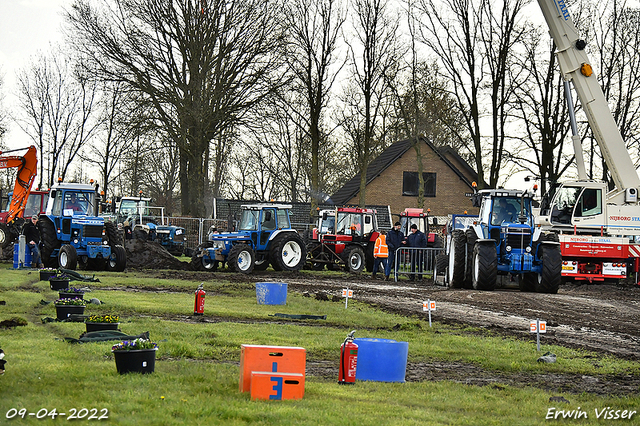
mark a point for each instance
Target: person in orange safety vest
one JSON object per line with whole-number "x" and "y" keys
{"x": 381, "y": 254}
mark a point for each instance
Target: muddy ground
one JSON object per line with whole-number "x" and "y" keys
{"x": 602, "y": 318}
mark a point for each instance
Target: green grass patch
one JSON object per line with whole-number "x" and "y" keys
{"x": 196, "y": 377}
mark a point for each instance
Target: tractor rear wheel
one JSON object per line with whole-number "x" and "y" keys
{"x": 354, "y": 259}
{"x": 200, "y": 262}
{"x": 485, "y": 266}
{"x": 117, "y": 261}
{"x": 49, "y": 241}
{"x": 241, "y": 258}
{"x": 68, "y": 257}
{"x": 457, "y": 259}
{"x": 551, "y": 276}
{"x": 288, "y": 252}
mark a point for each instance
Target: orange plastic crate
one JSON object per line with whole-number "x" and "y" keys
{"x": 276, "y": 386}
{"x": 275, "y": 359}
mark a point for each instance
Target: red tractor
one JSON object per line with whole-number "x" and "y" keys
{"x": 411, "y": 216}
{"x": 349, "y": 244}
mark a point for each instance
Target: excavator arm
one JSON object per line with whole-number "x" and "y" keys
{"x": 576, "y": 67}
{"x": 27, "y": 170}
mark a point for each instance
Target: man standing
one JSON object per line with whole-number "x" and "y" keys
{"x": 416, "y": 239}
{"x": 32, "y": 235}
{"x": 394, "y": 241}
{"x": 381, "y": 253}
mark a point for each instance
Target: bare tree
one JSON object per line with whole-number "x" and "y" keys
{"x": 3, "y": 114}
{"x": 201, "y": 64}
{"x": 313, "y": 39}
{"x": 540, "y": 104}
{"x": 374, "y": 55}
{"x": 58, "y": 102}
{"x": 474, "y": 41}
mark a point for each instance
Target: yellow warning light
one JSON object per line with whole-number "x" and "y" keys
{"x": 535, "y": 187}
{"x": 586, "y": 70}
{"x": 59, "y": 179}
{"x": 474, "y": 184}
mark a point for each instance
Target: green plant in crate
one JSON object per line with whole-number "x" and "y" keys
{"x": 76, "y": 301}
{"x": 134, "y": 345}
{"x": 110, "y": 319}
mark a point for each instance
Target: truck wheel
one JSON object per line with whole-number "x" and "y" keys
{"x": 471, "y": 243}
{"x": 485, "y": 266}
{"x": 288, "y": 252}
{"x": 551, "y": 276}
{"x": 113, "y": 236}
{"x": 117, "y": 260}
{"x": 68, "y": 257}
{"x": 354, "y": 259}
{"x": 457, "y": 258}
{"x": 241, "y": 258}
{"x": 49, "y": 241}
{"x": 527, "y": 282}
{"x": 202, "y": 262}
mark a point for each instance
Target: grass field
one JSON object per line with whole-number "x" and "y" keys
{"x": 196, "y": 374}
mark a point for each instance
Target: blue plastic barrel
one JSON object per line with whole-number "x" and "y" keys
{"x": 271, "y": 293}
{"x": 16, "y": 254}
{"x": 381, "y": 360}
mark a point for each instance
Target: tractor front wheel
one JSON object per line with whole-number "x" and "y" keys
{"x": 485, "y": 266}
{"x": 49, "y": 240}
{"x": 117, "y": 260}
{"x": 551, "y": 276}
{"x": 354, "y": 259}
{"x": 200, "y": 260}
{"x": 241, "y": 258}
{"x": 457, "y": 259}
{"x": 68, "y": 257}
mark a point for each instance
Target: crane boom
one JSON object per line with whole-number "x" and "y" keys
{"x": 27, "y": 169}
{"x": 575, "y": 66}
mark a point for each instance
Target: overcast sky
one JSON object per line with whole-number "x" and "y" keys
{"x": 26, "y": 27}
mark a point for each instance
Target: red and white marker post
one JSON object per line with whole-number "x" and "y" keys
{"x": 346, "y": 293}
{"x": 538, "y": 327}
{"x": 429, "y": 305}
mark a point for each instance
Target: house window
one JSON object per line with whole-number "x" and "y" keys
{"x": 410, "y": 184}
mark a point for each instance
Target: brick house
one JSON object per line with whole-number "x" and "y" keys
{"x": 392, "y": 178}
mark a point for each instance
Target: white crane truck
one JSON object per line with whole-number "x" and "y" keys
{"x": 597, "y": 227}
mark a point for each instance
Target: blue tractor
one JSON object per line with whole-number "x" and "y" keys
{"x": 264, "y": 236}
{"x": 504, "y": 240}
{"x": 72, "y": 233}
{"x": 140, "y": 220}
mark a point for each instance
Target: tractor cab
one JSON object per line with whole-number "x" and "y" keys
{"x": 353, "y": 224}
{"x": 414, "y": 216}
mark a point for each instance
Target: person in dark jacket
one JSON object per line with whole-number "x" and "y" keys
{"x": 32, "y": 235}
{"x": 394, "y": 240}
{"x": 416, "y": 239}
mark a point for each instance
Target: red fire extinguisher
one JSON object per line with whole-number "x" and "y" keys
{"x": 198, "y": 309}
{"x": 348, "y": 361}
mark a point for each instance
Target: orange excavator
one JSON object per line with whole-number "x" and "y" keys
{"x": 27, "y": 169}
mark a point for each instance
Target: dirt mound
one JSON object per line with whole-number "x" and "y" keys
{"x": 151, "y": 255}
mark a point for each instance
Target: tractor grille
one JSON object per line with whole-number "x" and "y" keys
{"x": 519, "y": 239}
{"x": 92, "y": 231}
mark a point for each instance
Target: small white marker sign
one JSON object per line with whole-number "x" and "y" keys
{"x": 429, "y": 305}
{"x": 534, "y": 329}
{"x": 347, "y": 293}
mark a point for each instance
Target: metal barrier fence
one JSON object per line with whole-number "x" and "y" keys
{"x": 415, "y": 262}
{"x": 197, "y": 228}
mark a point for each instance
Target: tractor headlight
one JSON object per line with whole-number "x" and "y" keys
{"x": 178, "y": 231}
{"x": 508, "y": 249}
{"x": 75, "y": 241}
{"x": 105, "y": 242}
{"x": 528, "y": 249}
{"x": 218, "y": 245}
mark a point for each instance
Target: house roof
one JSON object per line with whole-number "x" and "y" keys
{"x": 393, "y": 153}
